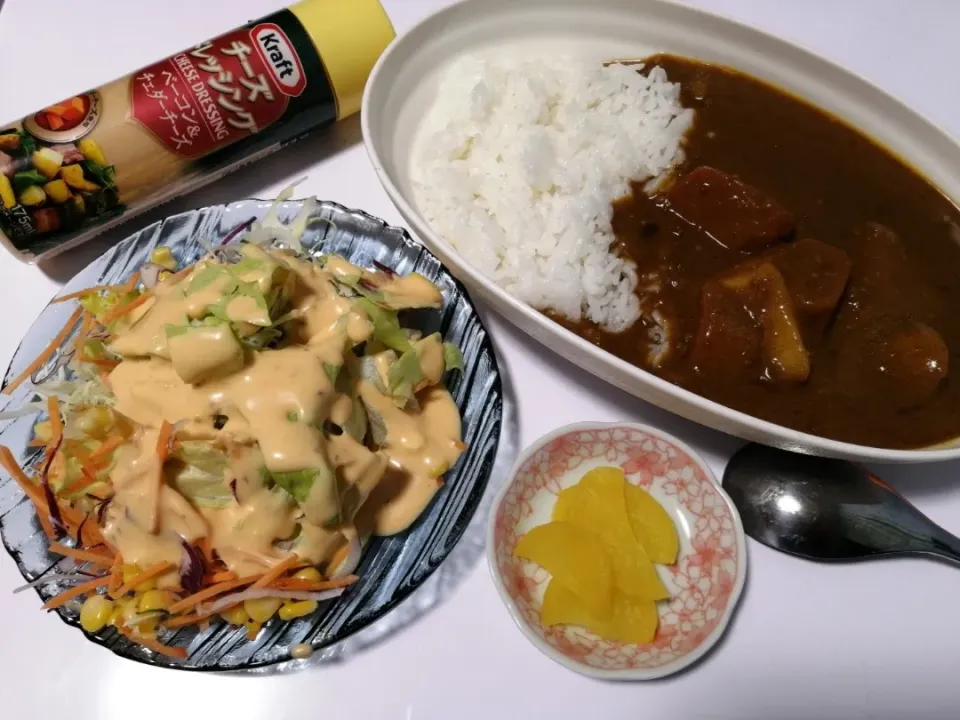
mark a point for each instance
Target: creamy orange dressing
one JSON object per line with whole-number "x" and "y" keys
{"x": 421, "y": 447}
{"x": 411, "y": 291}
{"x": 272, "y": 406}
{"x": 129, "y": 516}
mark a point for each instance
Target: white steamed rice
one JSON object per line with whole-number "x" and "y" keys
{"x": 519, "y": 160}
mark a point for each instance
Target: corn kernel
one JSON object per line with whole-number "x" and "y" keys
{"x": 154, "y": 600}
{"x": 122, "y": 609}
{"x": 252, "y": 629}
{"x": 163, "y": 257}
{"x": 129, "y": 572}
{"x": 297, "y": 608}
{"x": 261, "y": 609}
{"x": 235, "y": 615}
{"x": 148, "y": 625}
{"x": 43, "y": 430}
{"x": 310, "y": 574}
{"x": 95, "y": 613}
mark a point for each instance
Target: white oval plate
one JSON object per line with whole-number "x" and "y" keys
{"x": 403, "y": 85}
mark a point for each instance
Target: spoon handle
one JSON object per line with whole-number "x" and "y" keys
{"x": 944, "y": 545}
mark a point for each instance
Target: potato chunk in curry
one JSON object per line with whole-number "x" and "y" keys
{"x": 753, "y": 318}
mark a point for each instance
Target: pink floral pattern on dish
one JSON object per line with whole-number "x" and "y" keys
{"x": 704, "y": 579}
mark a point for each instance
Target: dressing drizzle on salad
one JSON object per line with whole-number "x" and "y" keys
{"x": 306, "y": 433}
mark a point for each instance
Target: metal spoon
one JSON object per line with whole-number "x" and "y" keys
{"x": 824, "y": 509}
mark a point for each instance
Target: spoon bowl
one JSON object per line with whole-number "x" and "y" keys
{"x": 826, "y": 509}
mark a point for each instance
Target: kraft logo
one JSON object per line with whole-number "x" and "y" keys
{"x": 281, "y": 58}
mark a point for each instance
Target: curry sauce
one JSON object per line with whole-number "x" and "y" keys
{"x": 863, "y": 250}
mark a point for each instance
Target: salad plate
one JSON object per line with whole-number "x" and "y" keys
{"x": 390, "y": 568}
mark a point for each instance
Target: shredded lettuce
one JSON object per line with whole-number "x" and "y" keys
{"x": 298, "y": 483}
{"x": 270, "y": 229}
{"x": 204, "y": 277}
{"x": 85, "y": 387}
{"x": 30, "y": 408}
{"x": 356, "y": 426}
{"x": 101, "y": 304}
{"x": 175, "y": 330}
{"x": 452, "y": 357}
{"x": 332, "y": 372}
{"x": 386, "y": 325}
{"x": 261, "y": 338}
{"x": 369, "y": 370}
{"x": 404, "y": 376}
{"x": 201, "y": 475}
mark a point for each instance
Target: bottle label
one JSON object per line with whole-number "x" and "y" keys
{"x": 76, "y": 167}
{"x": 221, "y": 91}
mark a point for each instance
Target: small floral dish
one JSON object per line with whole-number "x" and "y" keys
{"x": 705, "y": 584}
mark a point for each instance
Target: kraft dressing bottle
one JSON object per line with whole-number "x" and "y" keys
{"x": 76, "y": 168}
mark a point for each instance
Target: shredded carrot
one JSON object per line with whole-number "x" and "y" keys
{"x": 109, "y": 445}
{"x": 56, "y": 427}
{"x": 84, "y": 555}
{"x": 153, "y": 644}
{"x": 212, "y": 591}
{"x": 71, "y": 516}
{"x": 75, "y": 520}
{"x": 89, "y": 536}
{"x": 116, "y": 579}
{"x": 288, "y": 563}
{"x": 206, "y": 548}
{"x": 76, "y": 591}
{"x": 163, "y": 442}
{"x": 313, "y": 585}
{"x": 84, "y": 482}
{"x": 45, "y": 355}
{"x": 30, "y": 489}
{"x": 131, "y": 284}
{"x": 339, "y": 556}
{"x": 85, "y": 327}
{"x": 222, "y": 576}
{"x": 184, "y": 620}
{"x": 16, "y": 472}
{"x": 253, "y": 630}
{"x": 81, "y": 293}
{"x": 151, "y": 572}
{"x": 83, "y": 457}
{"x": 119, "y": 312}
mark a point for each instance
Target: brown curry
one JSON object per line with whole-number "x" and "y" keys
{"x": 796, "y": 271}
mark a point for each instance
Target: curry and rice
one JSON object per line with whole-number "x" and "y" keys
{"x": 710, "y": 229}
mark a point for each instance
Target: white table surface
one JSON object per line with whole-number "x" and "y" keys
{"x": 873, "y": 640}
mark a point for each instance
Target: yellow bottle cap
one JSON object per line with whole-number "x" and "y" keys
{"x": 349, "y": 35}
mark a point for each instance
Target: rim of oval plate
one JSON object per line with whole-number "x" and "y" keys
{"x": 673, "y": 663}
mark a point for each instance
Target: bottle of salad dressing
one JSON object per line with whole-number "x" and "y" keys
{"x": 76, "y": 168}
